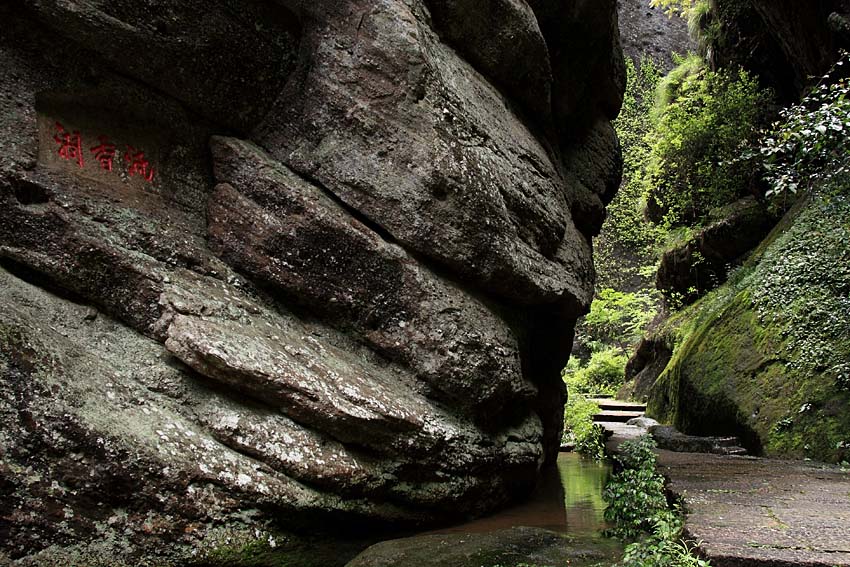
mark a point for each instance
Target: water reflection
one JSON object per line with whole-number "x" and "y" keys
{"x": 568, "y": 500}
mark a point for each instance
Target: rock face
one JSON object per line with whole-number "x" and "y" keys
{"x": 688, "y": 271}
{"x": 764, "y": 356}
{"x": 514, "y": 546}
{"x": 781, "y": 41}
{"x": 280, "y": 263}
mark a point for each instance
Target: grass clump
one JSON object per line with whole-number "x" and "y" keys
{"x": 705, "y": 120}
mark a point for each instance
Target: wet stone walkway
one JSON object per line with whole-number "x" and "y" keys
{"x": 748, "y": 511}
{"x": 765, "y": 512}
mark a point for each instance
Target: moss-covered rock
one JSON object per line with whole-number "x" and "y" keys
{"x": 703, "y": 261}
{"x": 765, "y": 356}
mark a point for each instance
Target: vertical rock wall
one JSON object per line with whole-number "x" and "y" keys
{"x": 312, "y": 260}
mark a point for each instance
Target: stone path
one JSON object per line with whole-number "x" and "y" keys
{"x": 748, "y": 511}
{"x": 751, "y": 511}
{"x": 615, "y": 411}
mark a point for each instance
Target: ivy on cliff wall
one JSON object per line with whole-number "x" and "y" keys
{"x": 765, "y": 356}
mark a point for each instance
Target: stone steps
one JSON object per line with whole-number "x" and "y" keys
{"x": 616, "y": 405}
{"x": 616, "y": 416}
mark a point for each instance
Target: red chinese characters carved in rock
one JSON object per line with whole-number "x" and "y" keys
{"x": 71, "y": 149}
{"x": 70, "y": 144}
{"x": 104, "y": 153}
{"x": 137, "y": 164}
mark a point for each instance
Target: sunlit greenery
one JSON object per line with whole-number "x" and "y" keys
{"x": 707, "y": 120}
{"x": 619, "y": 318}
{"x": 673, "y": 7}
{"x": 603, "y": 374}
{"x": 580, "y": 429}
{"x": 626, "y": 250}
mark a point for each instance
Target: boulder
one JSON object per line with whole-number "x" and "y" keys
{"x": 668, "y": 439}
{"x": 532, "y": 546}
{"x": 270, "y": 265}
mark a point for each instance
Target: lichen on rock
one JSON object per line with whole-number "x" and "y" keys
{"x": 269, "y": 264}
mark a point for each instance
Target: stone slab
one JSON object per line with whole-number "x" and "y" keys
{"x": 751, "y": 511}
{"x": 611, "y": 415}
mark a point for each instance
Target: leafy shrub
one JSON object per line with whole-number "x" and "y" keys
{"x": 809, "y": 144}
{"x": 699, "y": 135}
{"x": 664, "y": 547}
{"x": 638, "y": 508}
{"x": 618, "y": 317}
{"x": 580, "y": 429}
{"x": 635, "y": 495}
{"x": 638, "y": 454}
{"x": 602, "y": 375}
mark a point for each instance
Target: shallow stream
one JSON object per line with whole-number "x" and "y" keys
{"x": 568, "y": 500}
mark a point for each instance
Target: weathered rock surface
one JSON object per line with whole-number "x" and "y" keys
{"x": 748, "y": 511}
{"x": 532, "y": 546}
{"x": 270, "y": 265}
{"x": 783, "y": 42}
{"x": 699, "y": 265}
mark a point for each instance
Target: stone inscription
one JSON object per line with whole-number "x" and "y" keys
{"x": 72, "y": 148}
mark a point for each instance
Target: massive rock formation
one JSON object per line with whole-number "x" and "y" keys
{"x": 764, "y": 356}
{"x": 289, "y": 262}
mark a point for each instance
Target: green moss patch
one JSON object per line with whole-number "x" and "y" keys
{"x": 765, "y": 357}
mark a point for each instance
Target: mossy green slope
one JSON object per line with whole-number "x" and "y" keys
{"x": 767, "y": 355}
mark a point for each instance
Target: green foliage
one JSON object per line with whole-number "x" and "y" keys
{"x": 618, "y": 317}
{"x": 638, "y": 508}
{"x": 638, "y": 454}
{"x": 635, "y": 495}
{"x": 628, "y": 244}
{"x": 603, "y": 374}
{"x": 703, "y": 26}
{"x": 710, "y": 119}
{"x": 673, "y": 7}
{"x": 809, "y": 144}
{"x": 669, "y": 86}
{"x": 803, "y": 283}
{"x": 580, "y": 429}
{"x": 665, "y": 546}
